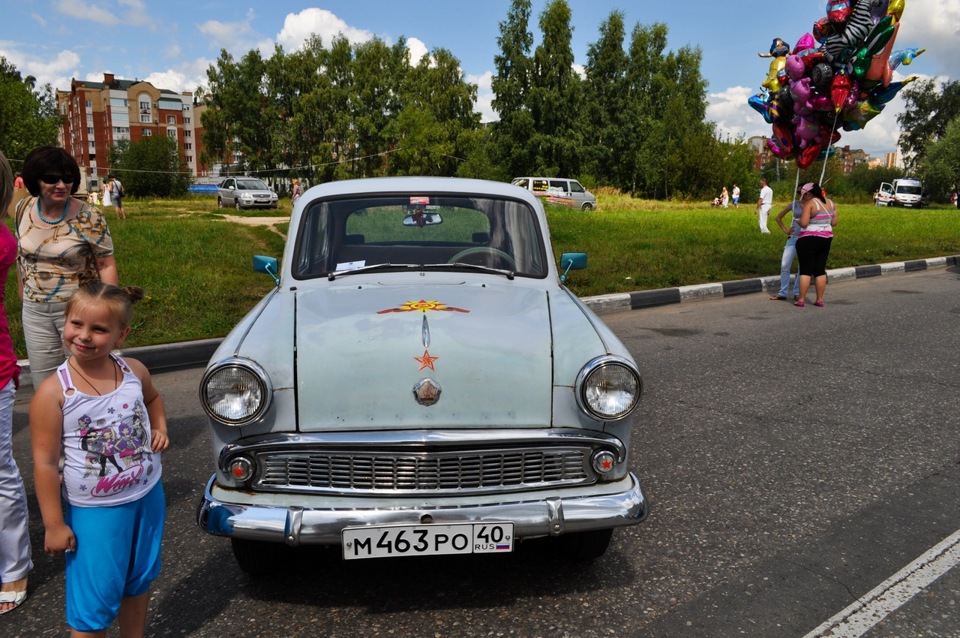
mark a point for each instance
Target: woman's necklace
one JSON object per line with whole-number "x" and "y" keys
{"x": 54, "y": 222}
{"x": 89, "y": 382}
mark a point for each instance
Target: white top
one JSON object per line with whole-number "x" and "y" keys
{"x": 106, "y": 442}
{"x": 766, "y": 196}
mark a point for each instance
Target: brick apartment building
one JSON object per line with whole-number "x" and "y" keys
{"x": 849, "y": 158}
{"x": 97, "y": 115}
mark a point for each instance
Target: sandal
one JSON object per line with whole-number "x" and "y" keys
{"x": 818, "y": 304}
{"x": 15, "y": 597}
{"x": 799, "y": 304}
{"x": 778, "y": 298}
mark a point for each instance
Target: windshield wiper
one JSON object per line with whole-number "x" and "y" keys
{"x": 509, "y": 274}
{"x": 343, "y": 273}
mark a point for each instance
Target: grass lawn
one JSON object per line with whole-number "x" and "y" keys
{"x": 196, "y": 266}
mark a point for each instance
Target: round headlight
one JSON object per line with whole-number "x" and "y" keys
{"x": 235, "y": 391}
{"x": 608, "y": 388}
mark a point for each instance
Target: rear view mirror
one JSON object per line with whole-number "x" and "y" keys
{"x": 572, "y": 261}
{"x": 262, "y": 263}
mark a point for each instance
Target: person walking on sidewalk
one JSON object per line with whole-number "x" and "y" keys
{"x": 764, "y": 204}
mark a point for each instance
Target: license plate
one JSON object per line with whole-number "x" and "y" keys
{"x": 427, "y": 540}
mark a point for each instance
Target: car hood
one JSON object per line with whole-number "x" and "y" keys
{"x": 487, "y": 347}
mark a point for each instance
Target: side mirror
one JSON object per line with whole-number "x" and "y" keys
{"x": 262, "y": 263}
{"x": 572, "y": 261}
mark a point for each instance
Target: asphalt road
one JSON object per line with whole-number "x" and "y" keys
{"x": 795, "y": 458}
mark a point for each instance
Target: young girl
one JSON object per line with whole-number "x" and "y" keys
{"x": 107, "y": 417}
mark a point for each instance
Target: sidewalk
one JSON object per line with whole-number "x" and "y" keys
{"x": 189, "y": 354}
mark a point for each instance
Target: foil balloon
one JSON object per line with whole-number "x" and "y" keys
{"x": 783, "y": 138}
{"x": 838, "y": 11}
{"x": 821, "y": 75}
{"x": 895, "y": 8}
{"x": 883, "y": 95}
{"x": 879, "y": 70}
{"x": 857, "y": 117}
{"x": 904, "y": 56}
{"x": 760, "y": 104}
{"x": 777, "y": 150}
{"x": 840, "y": 90}
{"x": 808, "y": 155}
{"x": 841, "y": 47}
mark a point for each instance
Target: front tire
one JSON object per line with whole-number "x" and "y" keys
{"x": 587, "y": 206}
{"x": 237, "y": 204}
{"x": 588, "y": 546}
{"x": 259, "y": 558}
{"x": 219, "y": 202}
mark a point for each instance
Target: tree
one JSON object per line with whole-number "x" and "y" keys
{"x": 940, "y": 167}
{"x": 555, "y": 96}
{"x": 644, "y": 58}
{"x": 437, "y": 111}
{"x": 28, "y": 116}
{"x": 239, "y": 109}
{"x": 925, "y": 117}
{"x": 606, "y": 111}
{"x": 150, "y": 167}
{"x": 511, "y": 134}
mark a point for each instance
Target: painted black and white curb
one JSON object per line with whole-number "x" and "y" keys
{"x": 701, "y": 292}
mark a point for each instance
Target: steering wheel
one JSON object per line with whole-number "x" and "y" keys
{"x": 486, "y": 250}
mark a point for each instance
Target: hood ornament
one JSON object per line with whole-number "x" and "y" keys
{"x": 426, "y": 392}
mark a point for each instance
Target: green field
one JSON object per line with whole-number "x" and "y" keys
{"x": 196, "y": 266}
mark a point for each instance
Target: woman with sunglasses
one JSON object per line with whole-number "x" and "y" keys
{"x": 60, "y": 239}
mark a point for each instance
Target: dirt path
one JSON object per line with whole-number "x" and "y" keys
{"x": 269, "y": 222}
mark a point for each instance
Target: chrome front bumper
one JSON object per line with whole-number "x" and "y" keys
{"x": 551, "y": 516}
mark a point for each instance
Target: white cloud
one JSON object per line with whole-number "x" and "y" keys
{"x": 56, "y": 71}
{"x": 484, "y": 103}
{"x": 173, "y": 51}
{"x": 81, "y": 10}
{"x": 417, "y": 50}
{"x": 934, "y": 25}
{"x": 233, "y": 36}
{"x": 298, "y": 27}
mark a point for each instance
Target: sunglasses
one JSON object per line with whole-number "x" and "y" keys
{"x": 53, "y": 179}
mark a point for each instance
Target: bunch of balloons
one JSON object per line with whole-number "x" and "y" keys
{"x": 840, "y": 76}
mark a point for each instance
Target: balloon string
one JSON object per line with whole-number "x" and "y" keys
{"x": 830, "y": 143}
{"x": 796, "y": 184}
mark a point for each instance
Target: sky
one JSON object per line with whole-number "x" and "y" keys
{"x": 172, "y": 43}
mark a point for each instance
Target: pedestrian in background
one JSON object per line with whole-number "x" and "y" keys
{"x": 790, "y": 248}
{"x": 117, "y": 194}
{"x": 764, "y": 204}
{"x": 816, "y": 223}
{"x": 296, "y": 192}
{"x": 60, "y": 239}
{"x": 15, "y": 552}
{"x": 736, "y": 196}
{"x": 725, "y": 197}
{"x": 97, "y": 408}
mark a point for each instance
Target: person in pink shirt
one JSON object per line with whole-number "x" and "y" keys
{"x": 15, "y": 561}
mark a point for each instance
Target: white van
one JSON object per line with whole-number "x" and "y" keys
{"x": 559, "y": 190}
{"x": 907, "y": 191}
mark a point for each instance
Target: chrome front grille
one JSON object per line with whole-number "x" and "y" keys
{"x": 402, "y": 473}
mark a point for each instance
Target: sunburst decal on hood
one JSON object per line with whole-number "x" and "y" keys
{"x": 423, "y": 306}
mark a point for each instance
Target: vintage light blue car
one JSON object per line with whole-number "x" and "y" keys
{"x": 419, "y": 382}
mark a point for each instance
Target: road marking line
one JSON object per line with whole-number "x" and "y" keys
{"x": 891, "y": 594}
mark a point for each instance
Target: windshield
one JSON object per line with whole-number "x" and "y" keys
{"x": 905, "y": 189}
{"x": 251, "y": 185}
{"x": 431, "y": 231}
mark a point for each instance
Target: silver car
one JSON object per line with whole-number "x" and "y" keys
{"x": 245, "y": 192}
{"x": 419, "y": 382}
